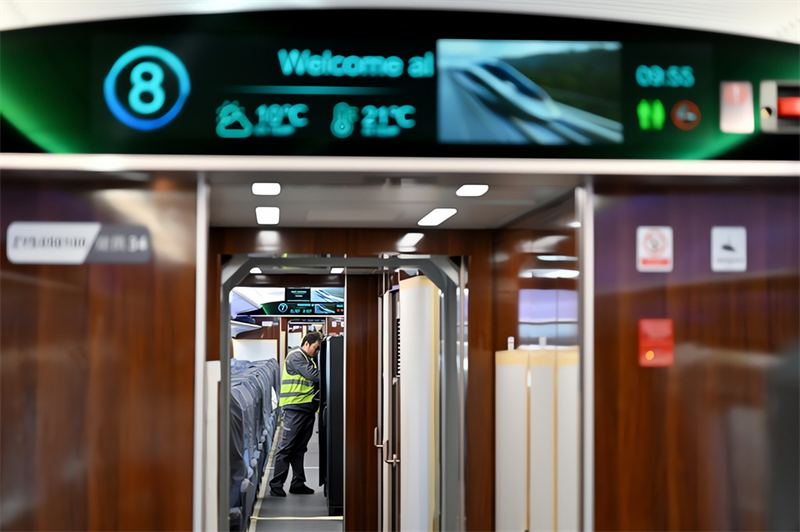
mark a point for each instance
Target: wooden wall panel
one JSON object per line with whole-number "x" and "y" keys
{"x": 510, "y": 277}
{"x": 479, "y": 444}
{"x": 97, "y": 371}
{"x": 686, "y": 447}
{"x": 369, "y": 243}
{"x": 361, "y": 405}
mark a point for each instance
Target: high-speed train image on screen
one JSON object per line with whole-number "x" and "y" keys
{"x": 382, "y": 265}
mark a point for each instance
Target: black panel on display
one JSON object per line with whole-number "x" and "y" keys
{"x": 391, "y": 83}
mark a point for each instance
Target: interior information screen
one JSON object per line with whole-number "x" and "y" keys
{"x": 526, "y": 91}
{"x": 453, "y": 92}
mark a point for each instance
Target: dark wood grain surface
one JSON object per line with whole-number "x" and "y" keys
{"x": 97, "y": 363}
{"x": 361, "y": 404}
{"x": 686, "y": 447}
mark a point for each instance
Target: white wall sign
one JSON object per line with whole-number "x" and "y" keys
{"x": 728, "y": 249}
{"x": 77, "y": 243}
{"x": 654, "y": 248}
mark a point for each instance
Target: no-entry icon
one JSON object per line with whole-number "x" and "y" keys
{"x": 654, "y": 248}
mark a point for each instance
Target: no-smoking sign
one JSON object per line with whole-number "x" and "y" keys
{"x": 654, "y": 248}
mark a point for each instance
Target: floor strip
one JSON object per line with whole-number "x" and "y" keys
{"x": 265, "y": 479}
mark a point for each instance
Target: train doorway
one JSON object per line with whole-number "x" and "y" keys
{"x": 417, "y": 436}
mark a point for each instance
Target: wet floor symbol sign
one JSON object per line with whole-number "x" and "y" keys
{"x": 654, "y": 248}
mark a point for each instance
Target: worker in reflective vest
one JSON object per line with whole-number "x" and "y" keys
{"x": 299, "y": 402}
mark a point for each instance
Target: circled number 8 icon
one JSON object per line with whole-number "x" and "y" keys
{"x": 150, "y": 86}
{"x": 146, "y": 77}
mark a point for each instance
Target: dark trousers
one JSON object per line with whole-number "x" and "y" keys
{"x": 297, "y": 429}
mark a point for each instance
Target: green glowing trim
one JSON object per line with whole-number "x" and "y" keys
{"x": 34, "y": 126}
{"x": 36, "y": 106}
{"x": 277, "y": 89}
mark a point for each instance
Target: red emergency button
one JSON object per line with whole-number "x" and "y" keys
{"x": 789, "y": 107}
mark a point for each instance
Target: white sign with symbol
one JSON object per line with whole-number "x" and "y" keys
{"x": 728, "y": 249}
{"x": 654, "y": 248}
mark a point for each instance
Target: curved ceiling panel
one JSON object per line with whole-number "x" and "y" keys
{"x": 767, "y": 19}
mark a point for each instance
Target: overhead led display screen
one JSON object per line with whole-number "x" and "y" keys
{"x": 261, "y": 95}
{"x": 465, "y": 85}
{"x": 307, "y": 301}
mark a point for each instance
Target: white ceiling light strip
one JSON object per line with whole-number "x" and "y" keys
{"x": 268, "y": 215}
{"x": 436, "y": 217}
{"x": 410, "y": 240}
{"x": 472, "y": 191}
{"x": 266, "y": 189}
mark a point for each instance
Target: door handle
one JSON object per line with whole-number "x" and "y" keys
{"x": 394, "y": 460}
{"x": 375, "y": 439}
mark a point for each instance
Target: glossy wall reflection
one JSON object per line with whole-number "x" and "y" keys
{"x": 537, "y": 392}
{"x": 97, "y": 363}
{"x": 710, "y": 442}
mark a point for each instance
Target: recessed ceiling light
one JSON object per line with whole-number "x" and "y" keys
{"x": 268, "y": 215}
{"x": 409, "y": 240}
{"x": 337, "y": 271}
{"x": 436, "y": 216}
{"x": 266, "y": 189}
{"x": 574, "y": 224}
{"x": 255, "y": 270}
{"x": 472, "y": 191}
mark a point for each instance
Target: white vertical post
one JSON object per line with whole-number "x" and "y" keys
{"x": 419, "y": 410}
{"x": 512, "y": 453}
{"x": 211, "y": 463}
{"x": 584, "y": 199}
{"x": 568, "y": 432}
{"x": 201, "y": 258}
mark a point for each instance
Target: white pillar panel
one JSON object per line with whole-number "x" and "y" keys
{"x": 541, "y": 426}
{"x": 568, "y": 474}
{"x": 537, "y": 440}
{"x": 419, "y": 404}
{"x": 511, "y": 421}
{"x": 210, "y": 460}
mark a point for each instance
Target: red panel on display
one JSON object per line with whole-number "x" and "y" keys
{"x": 789, "y": 107}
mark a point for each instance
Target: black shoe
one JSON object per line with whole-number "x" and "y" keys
{"x": 301, "y": 490}
{"x": 277, "y": 492}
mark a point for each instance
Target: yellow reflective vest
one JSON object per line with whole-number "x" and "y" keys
{"x": 296, "y": 389}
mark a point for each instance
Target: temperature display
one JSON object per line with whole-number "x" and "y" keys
{"x": 375, "y": 121}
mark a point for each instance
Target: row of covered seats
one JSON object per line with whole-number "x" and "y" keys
{"x": 255, "y": 386}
